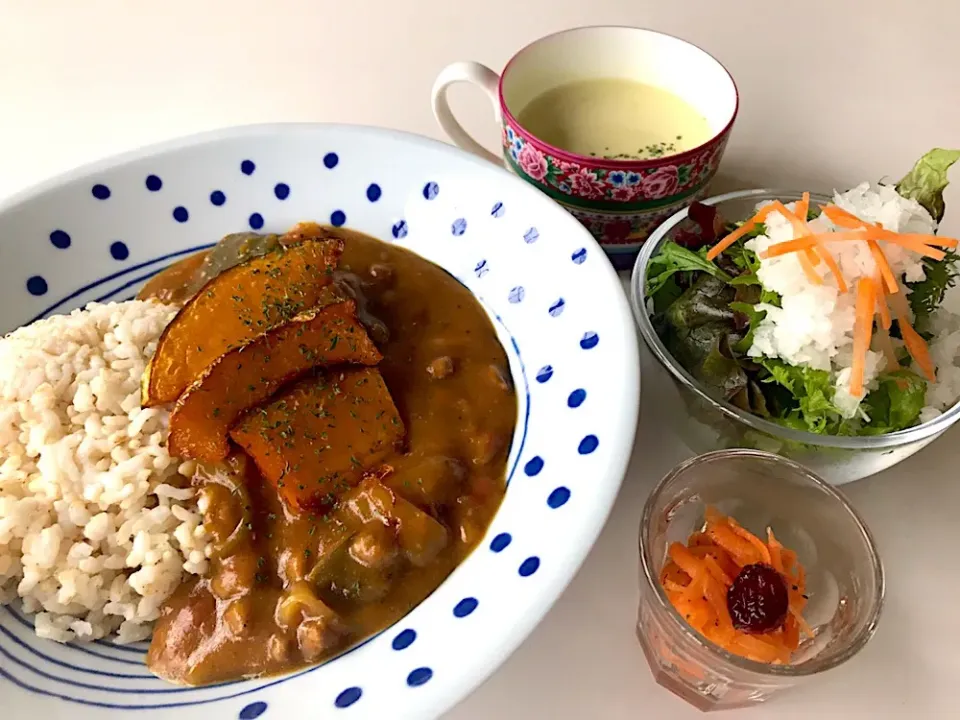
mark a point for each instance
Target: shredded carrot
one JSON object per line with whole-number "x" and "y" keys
{"x": 883, "y": 309}
{"x": 808, "y": 261}
{"x": 917, "y": 348}
{"x": 712, "y": 516}
{"x": 791, "y": 632}
{"x": 672, "y": 573}
{"x": 776, "y": 559}
{"x": 695, "y": 589}
{"x": 719, "y": 574}
{"x": 671, "y": 586}
{"x": 811, "y": 252}
{"x": 698, "y": 539}
{"x": 935, "y": 240}
{"x": 753, "y": 540}
{"x": 884, "y": 267}
{"x": 808, "y": 257}
{"x": 742, "y": 552}
{"x": 917, "y": 247}
{"x": 914, "y": 241}
{"x": 719, "y": 556}
{"x": 840, "y": 217}
{"x": 739, "y": 233}
{"x": 788, "y": 246}
{"x": 789, "y": 561}
{"x": 802, "y": 207}
{"x": 761, "y": 650}
{"x": 833, "y": 267}
{"x": 684, "y": 559}
{"x": 862, "y": 331}
{"x": 698, "y": 574}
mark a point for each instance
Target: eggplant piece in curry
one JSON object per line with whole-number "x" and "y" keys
{"x": 344, "y": 488}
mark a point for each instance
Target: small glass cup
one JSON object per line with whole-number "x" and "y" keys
{"x": 844, "y": 574}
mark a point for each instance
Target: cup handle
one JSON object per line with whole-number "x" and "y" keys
{"x": 475, "y": 74}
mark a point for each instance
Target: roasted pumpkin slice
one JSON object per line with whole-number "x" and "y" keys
{"x": 250, "y": 374}
{"x": 314, "y": 440}
{"x": 235, "y": 307}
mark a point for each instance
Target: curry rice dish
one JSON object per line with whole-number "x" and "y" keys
{"x": 280, "y": 448}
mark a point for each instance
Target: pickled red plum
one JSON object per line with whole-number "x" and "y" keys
{"x": 758, "y": 600}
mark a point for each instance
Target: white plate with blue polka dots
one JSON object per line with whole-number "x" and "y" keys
{"x": 100, "y": 232}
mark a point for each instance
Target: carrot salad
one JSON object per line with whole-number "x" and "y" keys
{"x": 743, "y": 593}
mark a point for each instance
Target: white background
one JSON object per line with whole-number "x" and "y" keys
{"x": 832, "y": 92}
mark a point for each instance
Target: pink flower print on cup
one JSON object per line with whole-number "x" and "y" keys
{"x": 532, "y": 161}
{"x": 662, "y": 182}
{"x": 585, "y": 183}
{"x": 624, "y": 194}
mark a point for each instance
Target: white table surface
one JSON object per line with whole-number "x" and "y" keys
{"x": 831, "y": 93}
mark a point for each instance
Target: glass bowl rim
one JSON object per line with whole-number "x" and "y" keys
{"x": 929, "y": 429}
{"x": 809, "y": 667}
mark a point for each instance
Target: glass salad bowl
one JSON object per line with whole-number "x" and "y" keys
{"x": 844, "y": 575}
{"x": 706, "y": 422}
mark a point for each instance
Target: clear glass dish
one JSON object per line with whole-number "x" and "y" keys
{"x": 844, "y": 575}
{"x": 704, "y": 422}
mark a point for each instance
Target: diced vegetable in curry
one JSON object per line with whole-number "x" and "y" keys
{"x": 351, "y": 450}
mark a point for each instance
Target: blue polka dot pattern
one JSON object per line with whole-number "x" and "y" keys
{"x": 348, "y": 697}
{"x": 330, "y": 161}
{"x": 60, "y": 239}
{"x": 500, "y": 542}
{"x": 579, "y": 256}
{"x": 431, "y": 190}
{"x": 218, "y": 198}
{"x": 282, "y": 191}
{"x": 180, "y": 214}
{"x": 558, "y": 497}
{"x": 399, "y": 229}
{"x": 256, "y": 221}
{"x": 119, "y": 250}
{"x": 419, "y": 676}
{"x": 465, "y": 607}
{"x": 544, "y": 373}
{"x": 253, "y": 710}
{"x": 556, "y": 310}
{"x": 534, "y": 466}
{"x": 531, "y": 236}
{"x": 576, "y": 398}
{"x": 404, "y": 639}
{"x": 153, "y": 183}
{"x": 373, "y": 192}
{"x": 481, "y": 268}
{"x": 459, "y": 227}
{"x": 529, "y": 566}
{"x": 100, "y": 192}
{"x": 497, "y": 210}
{"x": 338, "y": 218}
{"x": 588, "y": 445}
{"x": 247, "y": 167}
{"x": 589, "y": 340}
{"x": 36, "y": 285}
{"x": 516, "y": 295}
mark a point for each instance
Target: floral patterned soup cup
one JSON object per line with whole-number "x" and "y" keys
{"x": 620, "y": 201}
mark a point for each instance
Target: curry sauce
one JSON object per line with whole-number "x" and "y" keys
{"x": 292, "y": 585}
